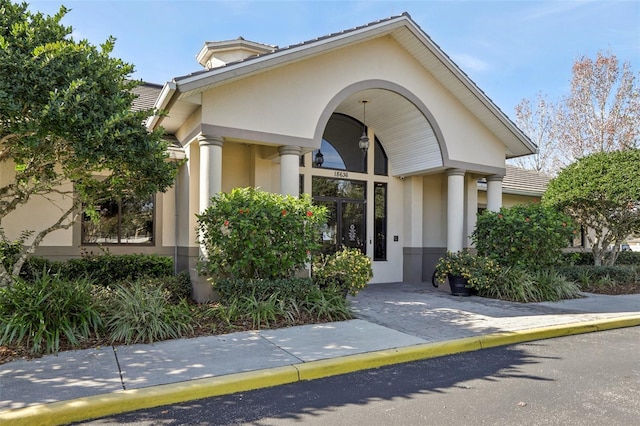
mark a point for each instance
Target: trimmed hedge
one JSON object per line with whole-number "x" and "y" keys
{"x": 231, "y": 289}
{"x": 102, "y": 269}
{"x": 586, "y": 258}
{"x": 106, "y": 269}
{"x": 588, "y": 274}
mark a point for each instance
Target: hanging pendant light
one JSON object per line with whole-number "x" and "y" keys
{"x": 363, "y": 143}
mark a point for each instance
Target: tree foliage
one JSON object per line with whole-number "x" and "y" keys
{"x": 601, "y": 113}
{"x": 601, "y": 192}
{"x": 537, "y": 120}
{"x": 65, "y": 119}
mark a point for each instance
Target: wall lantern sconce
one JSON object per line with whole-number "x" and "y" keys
{"x": 319, "y": 159}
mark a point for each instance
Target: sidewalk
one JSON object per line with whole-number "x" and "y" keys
{"x": 395, "y": 323}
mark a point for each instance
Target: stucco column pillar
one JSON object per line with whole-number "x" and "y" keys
{"x": 494, "y": 192}
{"x": 290, "y": 170}
{"x": 455, "y": 209}
{"x": 210, "y": 168}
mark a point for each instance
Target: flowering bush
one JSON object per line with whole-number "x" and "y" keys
{"x": 529, "y": 236}
{"x": 479, "y": 271}
{"x": 345, "y": 271}
{"x": 254, "y": 234}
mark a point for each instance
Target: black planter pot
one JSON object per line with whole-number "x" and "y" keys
{"x": 458, "y": 286}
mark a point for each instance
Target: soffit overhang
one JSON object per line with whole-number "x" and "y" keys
{"x": 182, "y": 96}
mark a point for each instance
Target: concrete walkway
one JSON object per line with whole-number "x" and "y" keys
{"x": 395, "y": 323}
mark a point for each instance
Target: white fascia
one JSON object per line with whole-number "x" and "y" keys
{"x": 162, "y": 103}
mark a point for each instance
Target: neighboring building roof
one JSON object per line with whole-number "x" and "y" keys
{"x": 178, "y": 94}
{"x": 524, "y": 182}
{"x": 147, "y": 95}
{"x": 519, "y": 181}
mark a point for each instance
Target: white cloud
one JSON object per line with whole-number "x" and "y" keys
{"x": 469, "y": 63}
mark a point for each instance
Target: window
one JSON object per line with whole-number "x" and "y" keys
{"x": 340, "y": 145}
{"x": 380, "y": 226}
{"x": 126, "y": 221}
{"x": 380, "y": 159}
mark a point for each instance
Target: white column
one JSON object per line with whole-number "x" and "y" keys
{"x": 471, "y": 207}
{"x": 290, "y": 170}
{"x": 455, "y": 209}
{"x": 210, "y": 168}
{"x": 494, "y": 192}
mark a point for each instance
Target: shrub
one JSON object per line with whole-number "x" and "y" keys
{"x": 528, "y": 236}
{"x": 554, "y": 286}
{"x": 586, "y": 258}
{"x": 10, "y": 250}
{"x": 107, "y": 269}
{"x": 345, "y": 271}
{"x": 327, "y": 305}
{"x": 39, "y": 313}
{"x": 178, "y": 286}
{"x": 140, "y": 313}
{"x": 628, "y": 258}
{"x": 479, "y": 271}
{"x": 262, "y": 311}
{"x": 231, "y": 289}
{"x": 518, "y": 284}
{"x": 587, "y": 275}
{"x": 35, "y": 266}
{"x": 251, "y": 234}
{"x": 577, "y": 258}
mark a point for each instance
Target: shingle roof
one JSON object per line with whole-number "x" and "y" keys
{"x": 147, "y": 95}
{"x": 524, "y": 182}
{"x": 277, "y": 49}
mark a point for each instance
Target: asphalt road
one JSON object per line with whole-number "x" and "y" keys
{"x": 590, "y": 379}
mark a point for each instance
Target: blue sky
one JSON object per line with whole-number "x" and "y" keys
{"x": 510, "y": 49}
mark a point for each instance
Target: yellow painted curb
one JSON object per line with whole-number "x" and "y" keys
{"x": 91, "y": 407}
{"x": 630, "y": 321}
{"x": 541, "y": 333}
{"x": 351, "y": 363}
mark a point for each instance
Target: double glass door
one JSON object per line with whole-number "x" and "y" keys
{"x": 346, "y": 219}
{"x": 345, "y": 225}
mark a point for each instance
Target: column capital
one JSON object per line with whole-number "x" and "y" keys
{"x": 290, "y": 150}
{"x": 495, "y": 178}
{"x": 210, "y": 140}
{"x": 456, "y": 172}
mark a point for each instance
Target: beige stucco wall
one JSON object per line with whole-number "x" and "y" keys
{"x": 39, "y": 213}
{"x": 435, "y": 214}
{"x": 508, "y": 200}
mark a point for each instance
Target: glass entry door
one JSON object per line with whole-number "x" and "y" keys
{"x": 345, "y": 225}
{"x": 352, "y": 224}
{"x": 346, "y": 219}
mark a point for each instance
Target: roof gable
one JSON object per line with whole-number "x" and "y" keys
{"x": 408, "y": 35}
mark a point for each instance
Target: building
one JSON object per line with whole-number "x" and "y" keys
{"x": 376, "y": 122}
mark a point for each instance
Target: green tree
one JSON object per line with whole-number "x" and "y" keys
{"x": 601, "y": 192}
{"x": 67, "y": 131}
